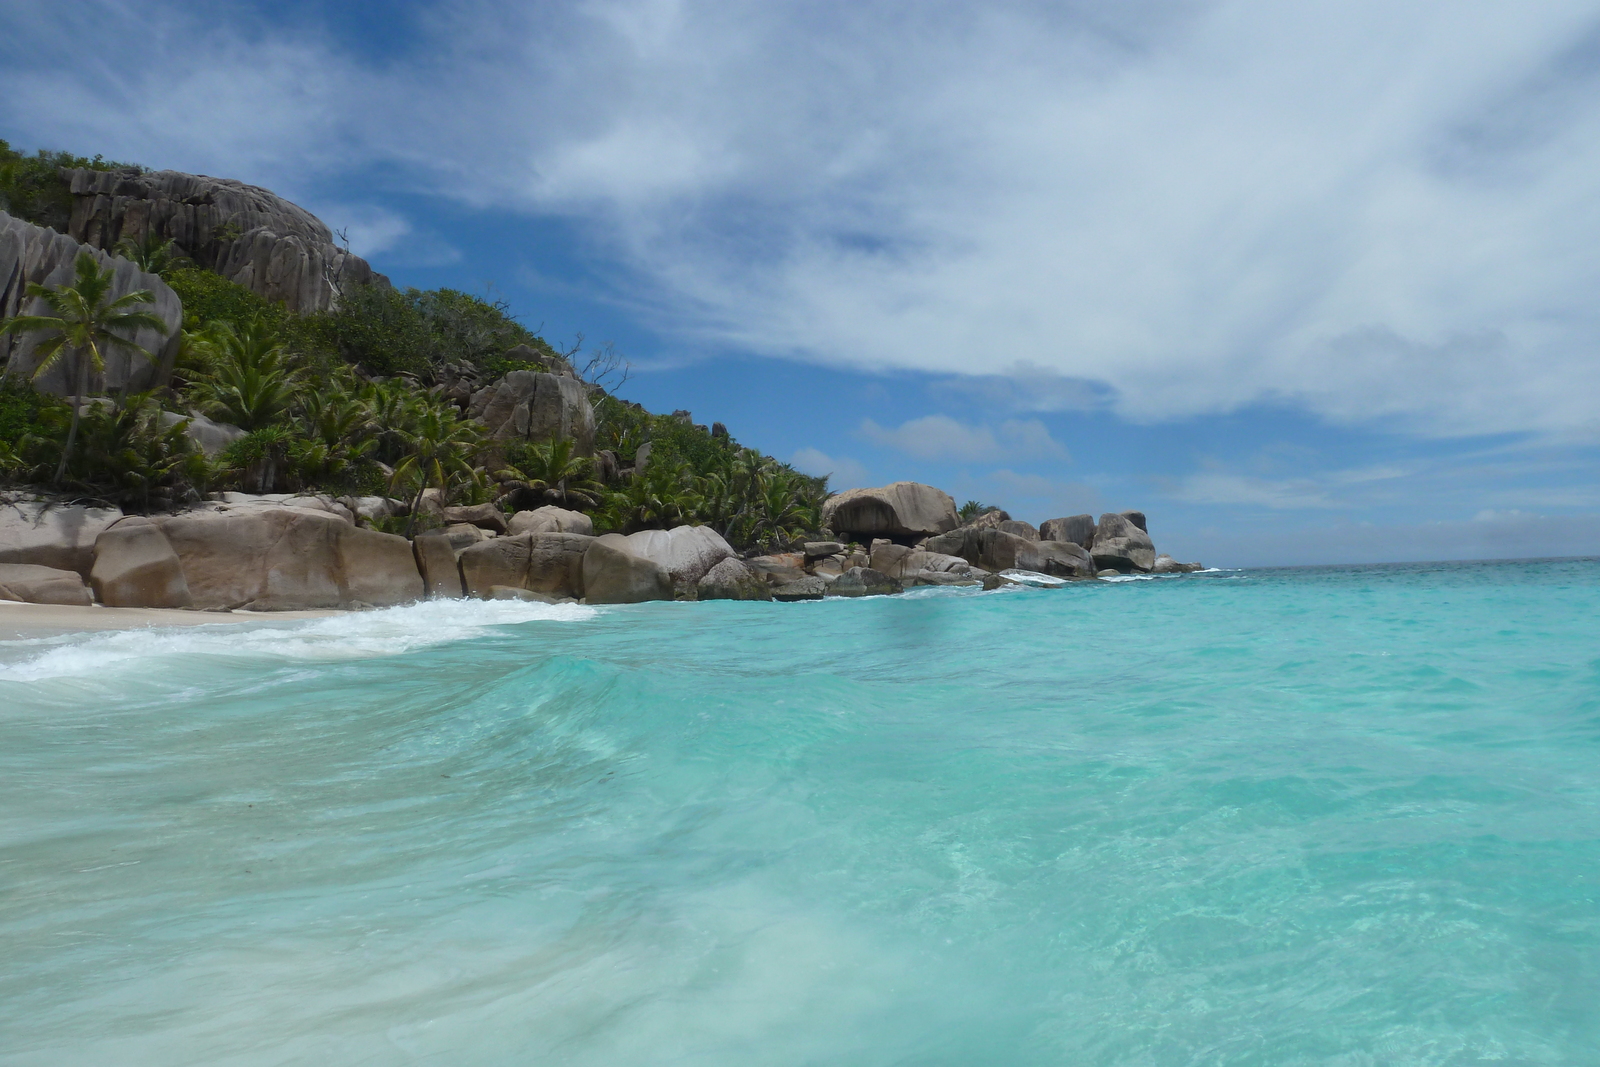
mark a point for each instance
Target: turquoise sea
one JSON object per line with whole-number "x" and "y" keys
{"x": 1343, "y": 816}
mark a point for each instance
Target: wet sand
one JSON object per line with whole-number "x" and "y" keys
{"x": 20, "y": 621}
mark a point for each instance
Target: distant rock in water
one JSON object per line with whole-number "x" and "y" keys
{"x": 30, "y": 253}
{"x": 248, "y": 235}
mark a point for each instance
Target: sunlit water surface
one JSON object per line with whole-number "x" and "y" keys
{"x": 1340, "y": 816}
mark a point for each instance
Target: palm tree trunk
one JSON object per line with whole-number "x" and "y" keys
{"x": 77, "y": 413}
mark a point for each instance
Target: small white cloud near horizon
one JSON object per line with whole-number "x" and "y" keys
{"x": 1222, "y": 487}
{"x": 842, "y": 472}
{"x": 942, "y": 437}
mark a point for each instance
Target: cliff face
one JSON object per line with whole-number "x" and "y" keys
{"x": 30, "y": 253}
{"x": 244, "y": 233}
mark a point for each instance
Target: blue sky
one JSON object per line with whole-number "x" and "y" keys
{"x": 1306, "y": 283}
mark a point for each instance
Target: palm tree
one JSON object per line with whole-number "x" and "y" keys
{"x": 550, "y": 472}
{"x": 87, "y": 321}
{"x": 251, "y": 382}
{"x": 152, "y": 253}
{"x": 439, "y": 450}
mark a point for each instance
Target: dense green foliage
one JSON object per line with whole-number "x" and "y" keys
{"x": 353, "y": 402}
{"x": 32, "y": 188}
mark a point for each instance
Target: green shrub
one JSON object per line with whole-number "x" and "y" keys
{"x": 33, "y": 189}
{"x": 408, "y": 331}
{"x": 21, "y": 408}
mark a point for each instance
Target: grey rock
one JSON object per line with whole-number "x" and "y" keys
{"x": 641, "y": 458}
{"x": 529, "y": 406}
{"x": 1079, "y": 529}
{"x": 864, "y": 581}
{"x": 1018, "y": 528}
{"x": 612, "y": 574}
{"x": 59, "y": 536}
{"x": 555, "y": 563}
{"x": 900, "y": 510}
{"x": 135, "y": 566}
{"x": 686, "y": 553}
{"x": 495, "y": 561}
{"x": 732, "y": 580}
{"x": 483, "y": 516}
{"x": 820, "y": 549}
{"x": 551, "y": 519}
{"x": 212, "y": 437}
{"x": 247, "y": 234}
{"x": 996, "y": 550}
{"x": 1121, "y": 544}
{"x": 30, "y": 583}
{"x": 436, "y": 560}
{"x": 31, "y": 253}
{"x": 1165, "y": 564}
{"x": 806, "y": 587}
{"x": 463, "y": 535}
{"x": 779, "y": 569}
{"x": 1137, "y": 518}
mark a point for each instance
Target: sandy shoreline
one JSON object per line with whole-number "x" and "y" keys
{"x": 22, "y": 621}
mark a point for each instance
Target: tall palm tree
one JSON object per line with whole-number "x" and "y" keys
{"x": 152, "y": 253}
{"x": 251, "y": 381}
{"x": 87, "y": 321}
{"x": 439, "y": 450}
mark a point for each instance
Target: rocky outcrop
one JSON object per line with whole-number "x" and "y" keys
{"x": 31, "y": 253}
{"x": 1165, "y": 564}
{"x": 33, "y": 584}
{"x": 247, "y": 234}
{"x": 1079, "y": 529}
{"x": 904, "y": 510}
{"x": 996, "y": 550}
{"x": 483, "y": 516}
{"x": 808, "y": 587}
{"x": 551, "y": 519}
{"x": 916, "y": 565}
{"x": 686, "y": 553}
{"x": 779, "y": 568}
{"x": 286, "y": 558}
{"x": 59, "y": 536}
{"x": 326, "y": 505}
{"x": 732, "y": 580}
{"x": 612, "y": 574}
{"x": 864, "y": 581}
{"x": 529, "y": 406}
{"x": 1018, "y": 528}
{"x": 135, "y": 566}
{"x": 436, "y": 560}
{"x": 547, "y": 563}
{"x": 1122, "y": 544}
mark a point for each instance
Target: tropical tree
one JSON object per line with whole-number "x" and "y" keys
{"x": 972, "y": 509}
{"x": 152, "y": 253}
{"x": 549, "y": 473}
{"x": 87, "y": 322}
{"x": 249, "y": 380}
{"x": 440, "y": 446}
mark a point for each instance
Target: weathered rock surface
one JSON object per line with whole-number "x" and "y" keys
{"x": 1137, "y": 518}
{"x": 32, "y": 584}
{"x": 551, "y": 519}
{"x": 463, "y": 535}
{"x": 996, "y": 550}
{"x": 864, "y": 581}
{"x": 1079, "y": 529}
{"x": 684, "y": 552}
{"x": 287, "y": 558}
{"x": 1121, "y": 544}
{"x": 495, "y": 561}
{"x": 820, "y": 549}
{"x": 1018, "y": 528}
{"x": 312, "y": 502}
{"x": 1165, "y": 564}
{"x": 30, "y": 253}
{"x": 901, "y": 510}
{"x": 612, "y": 574}
{"x": 212, "y": 437}
{"x": 555, "y": 563}
{"x": 1060, "y": 559}
{"x": 436, "y": 560}
{"x": 780, "y": 568}
{"x": 483, "y": 516}
{"x": 245, "y": 233}
{"x": 135, "y": 566}
{"x": 52, "y": 536}
{"x": 806, "y": 587}
{"x": 732, "y": 580}
{"x": 529, "y": 406}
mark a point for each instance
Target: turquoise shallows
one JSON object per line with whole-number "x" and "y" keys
{"x": 1337, "y": 816}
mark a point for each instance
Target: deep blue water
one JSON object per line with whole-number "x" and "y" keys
{"x": 1338, "y": 816}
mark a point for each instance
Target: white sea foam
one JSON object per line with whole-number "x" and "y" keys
{"x": 354, "y": 635}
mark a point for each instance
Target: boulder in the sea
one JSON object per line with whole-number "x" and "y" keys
{"x": 33, "y": 584}
{"x": 551, "y": 519}
{"x": 864, "y": 581}
{"x": 494, "y": 561}
{"x": 780, "y": 568}
{"x": 684, "y": 552}
{"x": 287, "y": 558}
{"x": 903, "y": 510}
{"x": 50, "y": 535}
{"x": 806, "y": 587}
{"x": 1165, "y": 564}
{"x": 732, "y": 580}
{"x": 555, "y": 563}
{"x": 484, "y": 516}
{"x": 612, "y": 574}
{"x": 135, "y": 567}
{"x": 1079, "y": 529}
{"x": 996, "y": 550}
{"x": 436, "y": 559}
{"x": 1122, "y": 544}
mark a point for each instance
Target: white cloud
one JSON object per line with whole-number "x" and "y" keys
{"x": 1377, "y": 211}
{"x": 1221, "y": 487}
{"x": 941, "y": 437}
{"x": 842, "y": 472}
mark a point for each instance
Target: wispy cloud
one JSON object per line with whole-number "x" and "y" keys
{"x": 842, "y": 471}
{"x": 941, "y": 437}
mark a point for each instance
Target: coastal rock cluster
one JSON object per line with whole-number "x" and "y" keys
{"x": 283, "y": 552}
{"x": 37, "y": 254}
{"x": 247, "y": 234}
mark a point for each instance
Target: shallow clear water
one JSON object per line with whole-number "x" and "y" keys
{"x": 1341, "y": 816}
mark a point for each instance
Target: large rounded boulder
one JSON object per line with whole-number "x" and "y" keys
{"x": 686, "y": 553}
{"x": 612, "y": 574}
{"x": 1122, "y": 544}
{"x": 904, "y": 510}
